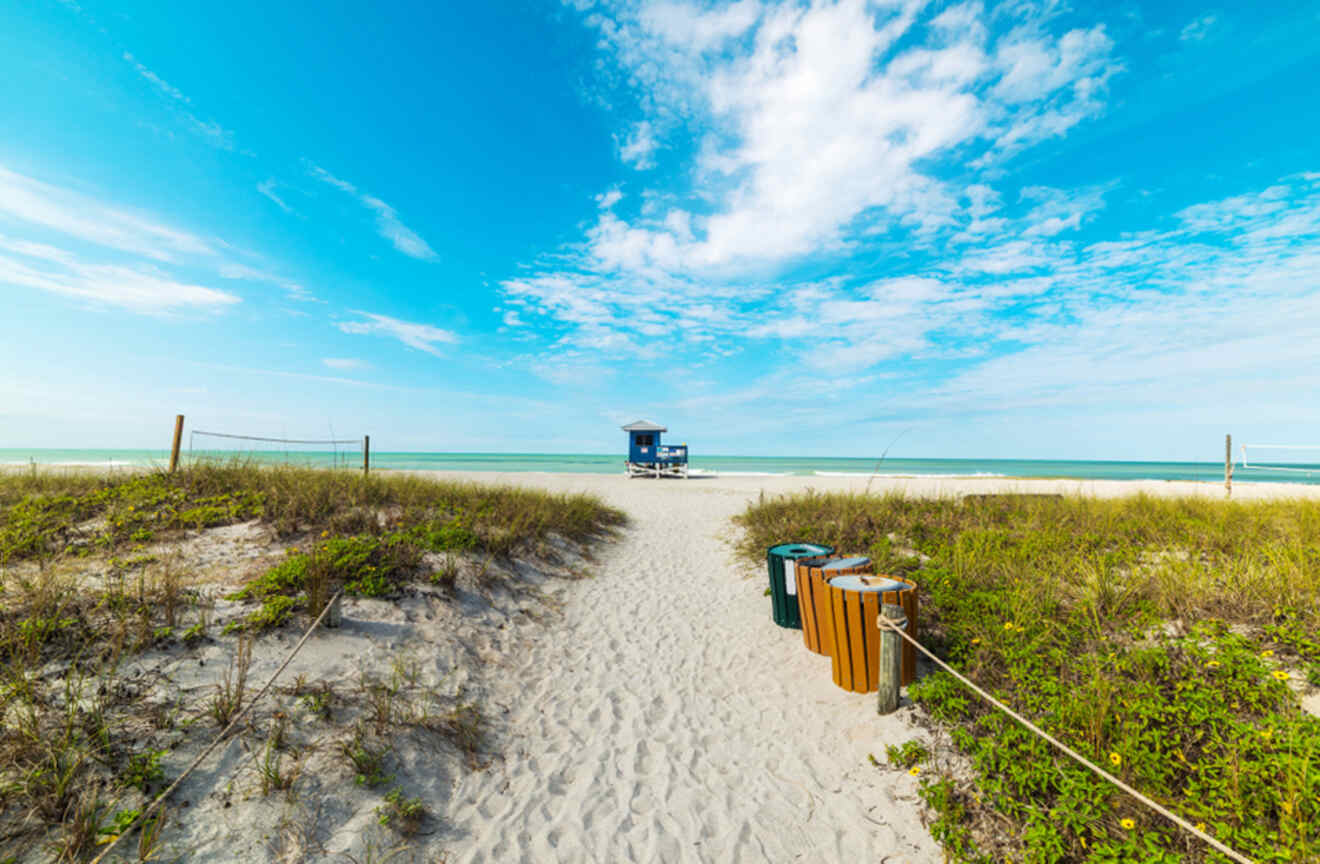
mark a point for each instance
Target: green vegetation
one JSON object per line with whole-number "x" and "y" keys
{"x": 1158, "y": 637}
{"x": 83, "y": 586}
{"x": 405, "y": 814}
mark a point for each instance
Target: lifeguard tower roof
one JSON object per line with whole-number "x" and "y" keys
{"x": 644, "y": 426}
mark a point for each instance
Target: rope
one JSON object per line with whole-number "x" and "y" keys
{"x": 1163, "y": 811}
{"x": 278, "y": 440}
{"x": 223, "y": 734}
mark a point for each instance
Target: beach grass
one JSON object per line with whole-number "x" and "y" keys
{"x": 1169, "y": 640}
{"x": 70, "y": 723}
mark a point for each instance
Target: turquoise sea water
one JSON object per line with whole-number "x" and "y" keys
{"x": 559, "y": 463}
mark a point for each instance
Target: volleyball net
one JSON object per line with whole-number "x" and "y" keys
{"x": 328, "y": 452}
{"x": 1300, "y": 459}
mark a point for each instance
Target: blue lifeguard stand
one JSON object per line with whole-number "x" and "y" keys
{"x": 647, "y": 457}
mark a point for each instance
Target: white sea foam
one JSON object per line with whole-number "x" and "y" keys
{"x": 902, "y": 476}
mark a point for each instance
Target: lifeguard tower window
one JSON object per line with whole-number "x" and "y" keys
{"x": 644, "y": 440}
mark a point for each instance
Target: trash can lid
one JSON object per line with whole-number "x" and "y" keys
{"x": 846, "y": 563}
{"x": 879, "y": 584}
{"x": 799, "y": 550}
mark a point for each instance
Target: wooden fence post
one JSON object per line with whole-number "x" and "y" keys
{"x": 366, "y": 455}
{"x": 1228, "y": 464}
{"x": 891, "y": 658}
{"x": 178, "y": 440}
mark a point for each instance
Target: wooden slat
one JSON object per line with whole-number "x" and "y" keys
{"x": 842, "y": 657}
{"x": 807, "y": 609}
{"x": 820, "y": 596}
{"x": 870, "y": 610}
{"x": 856, "y": 641}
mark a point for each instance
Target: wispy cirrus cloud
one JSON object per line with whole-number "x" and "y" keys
{"x": 1199, "y": 28}
{"x": 342, "y": 362}
{"x": 388, "y": 224}
{"x": 138, "y": 288}
{"x": 25, "y": 199}
{"x": 207, "y": 129}
{"x": 67, "y": 242}
{"x": 423, "y": 337}
{"x": 267, "y": 188}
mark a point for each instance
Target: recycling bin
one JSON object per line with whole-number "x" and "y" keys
{"x": 852, "y": 608}
{"x": 783, "y": 580}
{"x": 813, "y": 575}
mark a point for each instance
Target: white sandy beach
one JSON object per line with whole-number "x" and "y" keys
{"x": 650, "y": 712}
{"x": 666, "y": 718}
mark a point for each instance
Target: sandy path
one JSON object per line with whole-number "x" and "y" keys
{"x": 668, "y": 719}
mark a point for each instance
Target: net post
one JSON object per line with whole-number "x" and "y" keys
{"x": 366, "y": 455}
{"x": 178, "y": 440}
{"x": 1228, "y": 465}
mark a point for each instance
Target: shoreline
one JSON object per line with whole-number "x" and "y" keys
{"x": 919, "y": 485}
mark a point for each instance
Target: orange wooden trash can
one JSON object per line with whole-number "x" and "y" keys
{"x": 812, "y": 576}
{"x": 853, "y": 604}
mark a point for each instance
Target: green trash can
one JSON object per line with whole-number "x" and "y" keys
{"x": 783, "y": 584}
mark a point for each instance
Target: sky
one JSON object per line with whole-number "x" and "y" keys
{"x": 1012, "y": 230}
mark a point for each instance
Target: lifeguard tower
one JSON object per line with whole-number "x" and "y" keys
{"x": 647, "y": 457}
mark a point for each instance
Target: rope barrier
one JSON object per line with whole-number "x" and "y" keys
{"x": 223, "y": 733}
{"x": 1163, "y": 811}
{"x": 278, "y": 440}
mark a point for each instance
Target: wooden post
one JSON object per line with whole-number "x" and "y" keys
{"x": 335, "y": 617}
{"x": 891, "y": 658}
{"x": 366, "y": 454}
{"x": 1228, "y": 464}
{"x": 178, "y": 440}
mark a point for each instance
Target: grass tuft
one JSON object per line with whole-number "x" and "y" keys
{"x": 1157, "y": 636}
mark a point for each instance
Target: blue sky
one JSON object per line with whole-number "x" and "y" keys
{"x": 1017, "y": 229}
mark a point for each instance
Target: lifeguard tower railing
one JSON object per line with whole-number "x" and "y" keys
{"x": 665, "y": 461}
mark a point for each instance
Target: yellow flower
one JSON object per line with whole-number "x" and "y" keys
{"x": 1266, "y": 733}
{"x": 1267, "y": 653}
{"x": 1280, "y": 675}
{"x": 976, "y": 641}
{"x": 1115, "y": 759}
{"x": 914, "y": 770}
{"x": 1212, "y": 664}
{"x": 325, "y": 533}
{"x": 1008, "y": 625}
{"x": 1127, "y": 824}
{"x": 1199, "y": 826}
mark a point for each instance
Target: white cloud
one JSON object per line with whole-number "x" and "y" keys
{"x": 823, "y": 124}
{"x": 342, "y": 362}
{"x": 71, "y": 243}
{"x": 139, "y": 289}
{"x": 159, "y": 83}
{"x": 208, "y": 129}
{"x": 423, "y": 337}
{"x": 1199, "y": 28}
{"x": 267, "y": 188}
{"x": 388, "y": 224}
{"x": 40, "y": 204}
{"x": 638, "y": 151}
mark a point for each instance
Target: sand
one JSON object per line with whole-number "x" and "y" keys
{"x": 651, "y": 711}
{"x": 666, "y": 718}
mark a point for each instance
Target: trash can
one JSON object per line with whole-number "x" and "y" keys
{"x": 812, "y": 576}
{"x": 852, "y": 609}
{"x": 783, "y": 581}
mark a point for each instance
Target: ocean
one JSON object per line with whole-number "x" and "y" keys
{"x": 562, "y": 463}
